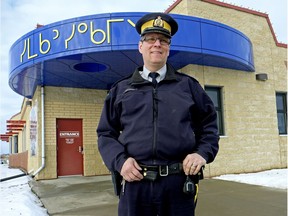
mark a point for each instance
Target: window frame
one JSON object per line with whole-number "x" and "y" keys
{"x": 220, "y": 108}
{"x": 283, "y": 111}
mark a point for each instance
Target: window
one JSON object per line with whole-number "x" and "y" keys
{"x": 15, "y": 138}
{"x": 24, "y": 138}
{"x": 281, "y": 103}
{"x": 215, "y": 94}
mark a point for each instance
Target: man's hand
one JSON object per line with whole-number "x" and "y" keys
{"x": 193, "y": 163}
{"x": 130, "y": 170}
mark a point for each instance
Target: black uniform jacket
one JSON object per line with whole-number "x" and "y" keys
{"x": 157, "y": 126}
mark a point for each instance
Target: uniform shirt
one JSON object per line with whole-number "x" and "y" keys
{"x": 145, "y": 73}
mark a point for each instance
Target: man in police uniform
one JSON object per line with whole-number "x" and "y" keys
{"x": 157, "y": 130}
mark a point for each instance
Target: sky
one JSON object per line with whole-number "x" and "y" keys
{"x": 19, "y": 17}
{"x": 19, "y": 200}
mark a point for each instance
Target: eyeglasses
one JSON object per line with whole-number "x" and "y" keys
{"x": 152, "y": 40}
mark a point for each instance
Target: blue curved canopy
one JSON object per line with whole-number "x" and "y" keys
{"x": 95, "y": 51}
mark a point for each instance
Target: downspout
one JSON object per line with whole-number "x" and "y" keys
{"x": 42, "y": 133}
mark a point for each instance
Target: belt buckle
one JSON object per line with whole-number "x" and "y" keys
{"x": 166, "y": 168}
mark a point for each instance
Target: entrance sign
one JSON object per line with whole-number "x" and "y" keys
{"x": 68, "y": 134}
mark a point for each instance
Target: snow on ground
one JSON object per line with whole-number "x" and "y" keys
{"x": 276, "y": 178}
{"x": 16, "y": 195}
{"x": 17, "y": 198}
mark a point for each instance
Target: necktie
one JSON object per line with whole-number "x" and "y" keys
{"x": 154, "y": 75}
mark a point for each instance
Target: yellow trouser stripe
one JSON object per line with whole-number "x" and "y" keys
{"x": 196, "y": 192}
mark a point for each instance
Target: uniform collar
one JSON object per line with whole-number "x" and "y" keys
{"x": 138, "y": 79}
{"x": 162, "y": 72}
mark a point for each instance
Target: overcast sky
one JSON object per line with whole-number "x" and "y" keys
{"x": 19, "y": 17}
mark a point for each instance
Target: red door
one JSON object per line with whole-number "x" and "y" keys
{"x": 69, "y": 147}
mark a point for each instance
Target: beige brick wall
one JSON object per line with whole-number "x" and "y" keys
{"x": 283, "y": 150}
{"x": 251, "y": 142}
{"x": 19, "y": 160}
{"x": 85, "y": 104}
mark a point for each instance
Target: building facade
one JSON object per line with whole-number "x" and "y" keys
{"x": 56, "y": 127}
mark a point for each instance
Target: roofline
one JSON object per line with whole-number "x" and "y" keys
{"x": 246, "y": 10}
{"x": 19, "y": 113}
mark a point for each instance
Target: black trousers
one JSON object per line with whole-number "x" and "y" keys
{"x": 163, "y": 197}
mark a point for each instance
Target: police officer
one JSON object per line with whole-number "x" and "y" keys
{"x": 158, "y": 128}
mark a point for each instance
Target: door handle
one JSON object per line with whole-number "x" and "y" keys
{"x": 80, "y": 149}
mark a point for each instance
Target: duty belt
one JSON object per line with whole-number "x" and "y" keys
{"x": 152, "y": 172}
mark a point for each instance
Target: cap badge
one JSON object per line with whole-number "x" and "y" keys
{"x": 158, "y": 22}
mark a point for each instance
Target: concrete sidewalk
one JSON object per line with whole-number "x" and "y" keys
{"x": 94, "y": 196}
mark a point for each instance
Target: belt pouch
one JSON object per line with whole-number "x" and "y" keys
{"x": 150, "y": 175}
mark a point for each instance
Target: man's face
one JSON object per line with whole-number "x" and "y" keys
{"x": 154, "y": 48}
